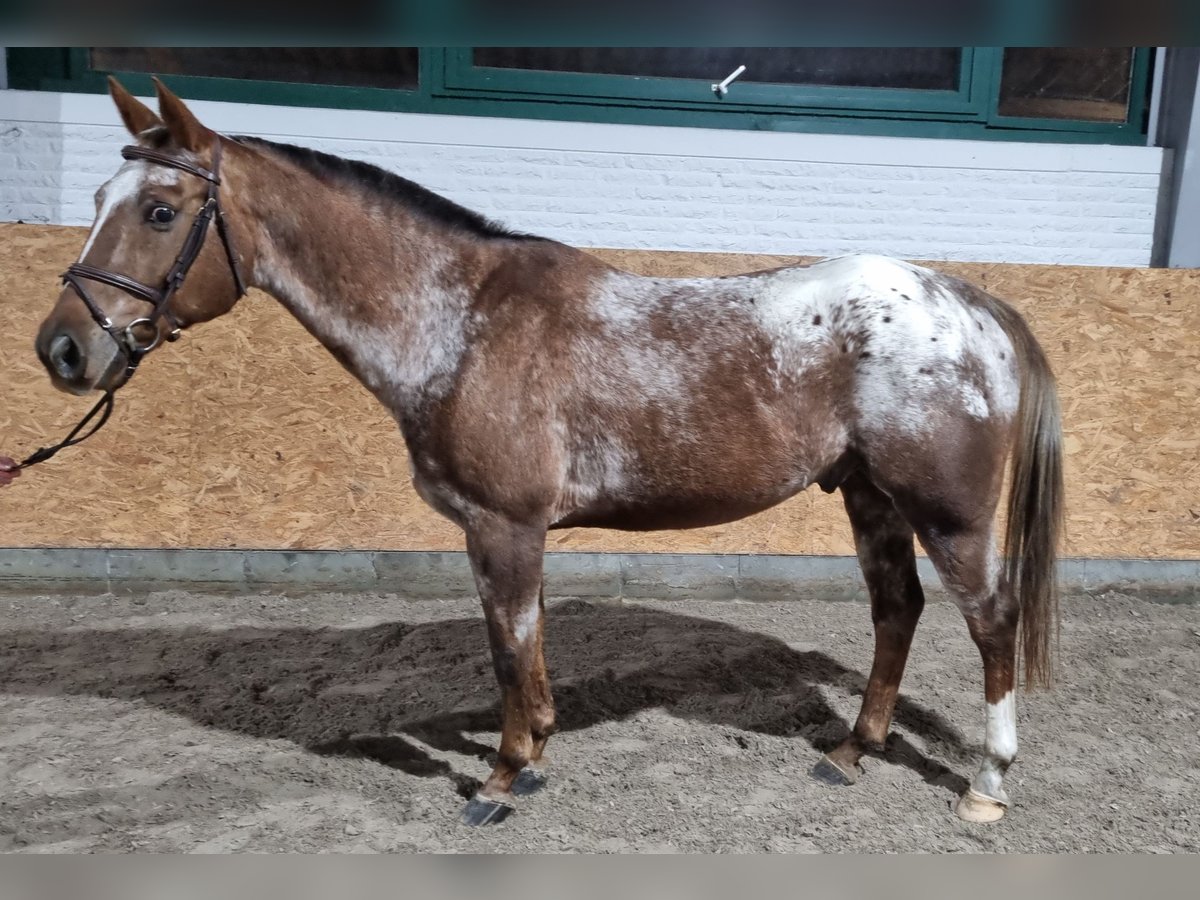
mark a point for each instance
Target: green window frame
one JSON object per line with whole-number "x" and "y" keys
{"x": 450, "y": 83}
{"x": 462, "y": 73}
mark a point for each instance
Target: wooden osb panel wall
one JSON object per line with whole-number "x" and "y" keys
{"x": 247, "y": 434}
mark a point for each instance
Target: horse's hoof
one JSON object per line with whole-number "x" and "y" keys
{"x": 979, "y": 808}
{"x": 528, "y": 781}
{"x": 828, "y": 771}
{"x": 482, "y": 811}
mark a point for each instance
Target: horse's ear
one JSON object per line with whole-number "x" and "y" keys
{"x": 136, "y": 115}
{"x": 184, "y": 127}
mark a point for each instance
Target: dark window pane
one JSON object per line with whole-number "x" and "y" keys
{"x": 384, "y": 67}
{"x": 1086, "y": 83}
{"x": 924, "y": 68}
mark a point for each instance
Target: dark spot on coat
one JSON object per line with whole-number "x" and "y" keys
{"x": 980, "y": 324}
{"x": 924, "y": 371}
{"x": 1002, "y": 356}
{"x": 906, "y": 297}
{"x": 888, "y": 318}
{"x": 934, "y": 338}
{"x": 864, "y": 355}
{"x": 816, "y": 320}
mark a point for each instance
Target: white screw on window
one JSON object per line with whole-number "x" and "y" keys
{"x": 723, "y": 88}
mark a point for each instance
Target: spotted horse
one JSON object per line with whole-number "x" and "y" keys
{"x": 538, "y": 388}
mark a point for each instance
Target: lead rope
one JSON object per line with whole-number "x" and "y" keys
{"x": 42, "y": 454}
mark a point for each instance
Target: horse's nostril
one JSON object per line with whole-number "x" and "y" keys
{"x": 66, "y": 357}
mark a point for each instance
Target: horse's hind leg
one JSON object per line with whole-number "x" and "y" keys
{"x": 969, "y": 566}
{"x": 507, "y": 562}
{"x": 884, "y": 541}
{"x": 947, "y": 486}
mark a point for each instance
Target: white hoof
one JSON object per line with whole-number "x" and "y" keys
{"x": 980, "y": 808}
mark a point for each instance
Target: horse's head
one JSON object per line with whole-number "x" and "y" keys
{"x": 147, "y": 269}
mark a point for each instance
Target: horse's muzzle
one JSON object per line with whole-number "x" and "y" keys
{"x": 65, "y": 357}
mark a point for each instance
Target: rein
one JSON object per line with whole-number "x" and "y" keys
{"x": 127, "y": 342}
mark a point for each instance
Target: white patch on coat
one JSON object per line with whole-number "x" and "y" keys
{"x": 919, "y": 336}
{"x": 622, "y": 301}
{"x": 525, "y": 624}
{"x": 122, "y": 187}
{"x": 1001, "y": 734}
{"x": 1000, "y": 747}
{"x": 974, "y": 402}
{"x": 402, "y": 356}
{"x": 593, "y": 468}
{"x": 626, "y": 362}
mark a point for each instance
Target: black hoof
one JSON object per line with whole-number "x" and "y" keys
{"x": 830, "y": 773}
{"x": 481, "y": 811}
{"x": 529, "y": 781}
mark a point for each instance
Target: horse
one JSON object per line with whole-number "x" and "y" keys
{"x": 538, "y": 388}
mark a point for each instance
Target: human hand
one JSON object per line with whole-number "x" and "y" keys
{"x": 8, "y": 471}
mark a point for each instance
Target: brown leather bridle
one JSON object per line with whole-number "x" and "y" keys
{"x": 127, "y": 342}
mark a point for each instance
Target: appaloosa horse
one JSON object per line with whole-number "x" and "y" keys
{"x": 538, "y": 388}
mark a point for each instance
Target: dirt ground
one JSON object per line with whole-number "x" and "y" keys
{"x": 358, "y": 722}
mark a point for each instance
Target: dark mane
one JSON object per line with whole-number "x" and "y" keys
{"x": 380, "y": 182}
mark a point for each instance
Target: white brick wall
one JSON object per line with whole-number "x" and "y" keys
{"x": 598, "y": 185}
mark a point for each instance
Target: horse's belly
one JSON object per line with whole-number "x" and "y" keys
{"x": 742, "y": 470}
{"x": 690, "y": 510}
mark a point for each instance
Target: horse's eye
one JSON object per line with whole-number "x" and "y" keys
{"x": 161, "y": 215}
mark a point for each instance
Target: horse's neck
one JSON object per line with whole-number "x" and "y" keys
{"x": 387, "y": 294}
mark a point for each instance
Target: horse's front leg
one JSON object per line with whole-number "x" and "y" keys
{"x": 506, "y": 558}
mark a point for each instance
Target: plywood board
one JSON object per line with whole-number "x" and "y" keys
{"x": 248, "y": 434}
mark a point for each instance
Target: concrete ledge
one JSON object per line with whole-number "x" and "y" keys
{"x": 447, "y": 573}
{"x": 289, "y": 567}
{"x": 678, "y": 575}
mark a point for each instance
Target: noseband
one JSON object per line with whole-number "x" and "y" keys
{"x": 128, "y": 344}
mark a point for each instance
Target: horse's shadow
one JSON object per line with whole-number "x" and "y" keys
{"x": 384, "y": 691}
